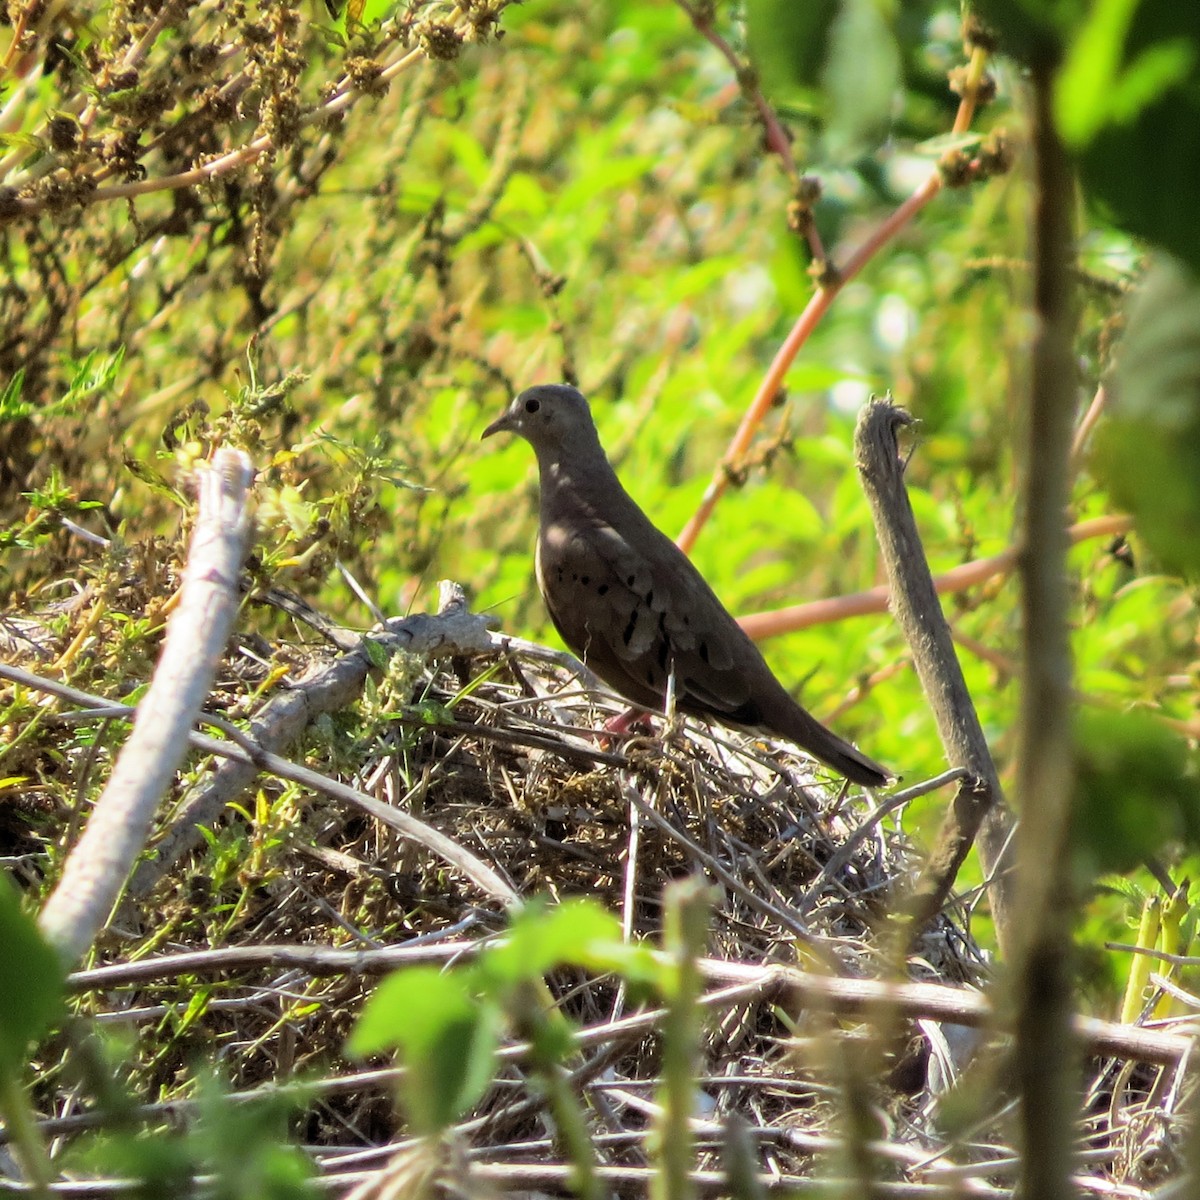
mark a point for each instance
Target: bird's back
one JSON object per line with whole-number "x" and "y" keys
{"x": 630, "y": 603}
{"x": 633, "y": 606}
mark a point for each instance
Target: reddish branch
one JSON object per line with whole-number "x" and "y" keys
{"x": 835, "y": 279}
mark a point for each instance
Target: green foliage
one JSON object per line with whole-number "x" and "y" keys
{"x": 844, "y": 68}
{"x": 31, "y": 984}
{"x": 1136, "y": 792}
{"x": 862, "y": 74}
{"x": 1152, "y": 102}
{"x": 790, "y": 45}
{"x": 446, "y": 1036}
{"x": 1125, "y": 90}
{"x": 590, "y": 197}
{"x": 366, "y": 12}
{"x": 1150, "y": 450}
{"x": 576, "y": 932}
{"x": 1095, "y": 88}
{"x": 446, "y": 1025}
{"x": 52, "y": 499}
{"x": 31, "y": 994}
{"x": 237, "y": 1146}
{"x": 580, "y": 196}
{"x": 88, "y": 380}
{"x": 11, "y": 406}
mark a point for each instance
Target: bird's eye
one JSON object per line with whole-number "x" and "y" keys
{"x": 531, "y": 406}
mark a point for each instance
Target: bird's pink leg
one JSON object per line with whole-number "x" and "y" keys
{"x": 626, "y": 721}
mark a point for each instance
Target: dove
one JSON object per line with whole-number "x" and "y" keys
{"x": 631, "y": 604}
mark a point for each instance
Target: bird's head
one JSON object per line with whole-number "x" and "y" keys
{"x": 551, "y": 417}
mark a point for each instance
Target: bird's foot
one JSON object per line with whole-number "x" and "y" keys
{"x": 632, "y": 720}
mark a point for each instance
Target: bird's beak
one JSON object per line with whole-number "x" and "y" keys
{"x": 502, "y": 424}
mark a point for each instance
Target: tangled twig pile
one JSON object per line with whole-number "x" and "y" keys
{"x": 258, "y": 942}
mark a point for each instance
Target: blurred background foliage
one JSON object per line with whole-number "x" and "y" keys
{"x": 473, "y": 197}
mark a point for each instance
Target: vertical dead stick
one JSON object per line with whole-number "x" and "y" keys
{"x": 977, "y": 808}
{"x": 98, "y": 866}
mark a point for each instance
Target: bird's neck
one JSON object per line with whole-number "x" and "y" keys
{"x": 588, "y": 481}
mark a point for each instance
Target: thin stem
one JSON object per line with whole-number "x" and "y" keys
{"x": 775, "y": 135}
{"x": 1044, "y": 1049}
{"x": 808, "y": 320}
{"x": 835, "y": 279}
{"x": 28, "y": 1147}
{"x": 688, "y": 905}
{"x": 761, "y": 626}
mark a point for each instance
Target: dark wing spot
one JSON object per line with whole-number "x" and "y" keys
{"x": 664, "y": 642}
{"x": 602, "y": 590}
{"x": 704, "y": 651}
{"x": 650, "y": 598}
{"x": 585, "y": 580}
{"x": 629, "y": 582}
{"x": 627, "y": 636}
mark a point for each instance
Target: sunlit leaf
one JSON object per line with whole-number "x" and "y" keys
{"x": 446, "y": 1036}
{"x": 31, "y": 983}
{"x": 1139, "y": 164}
{"x": 579, "y": 932}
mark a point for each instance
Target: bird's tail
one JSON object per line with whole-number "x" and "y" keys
{"x": 836, "y": 752}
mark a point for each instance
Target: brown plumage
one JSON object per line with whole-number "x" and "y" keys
{"x": 629, "y": 602}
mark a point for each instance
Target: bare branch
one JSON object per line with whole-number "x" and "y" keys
{"x": 915, "y": 604}
{"x": 97, "y": 868}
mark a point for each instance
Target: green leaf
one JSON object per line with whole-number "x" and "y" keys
{"x": 446, "y": 1035}
{"x": 579, "y": 932}
{"x": 238, "y": 1145}
{"x": 607, "y": 175}
{"x": 559, "y": 934}
{"x": 861, "y": 75}
{"x": 12, "y": 407}
{"x": 1135, "y": 790}
{"x": 1151, "y": 74}
{"x": 468, "y": 152}
{"x": 788, "y": 43}
{"x": 95, "y": 373}
{"x": 155, "y": 481}
{"x": 161, "y": 1166}
{"x": 1090, "y": 71}
{"x": 360, "y": 12}
{"x": 1139, "y": 163}
{"x": 1126, "y": 52}
{"x": 377, "y": 656}
{"x": 1150, "y": 449}
{"x": 524, "y": 197}
{"x": 31, "y": 983}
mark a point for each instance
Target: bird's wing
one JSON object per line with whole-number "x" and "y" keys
{"x": 634, "y": 608}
